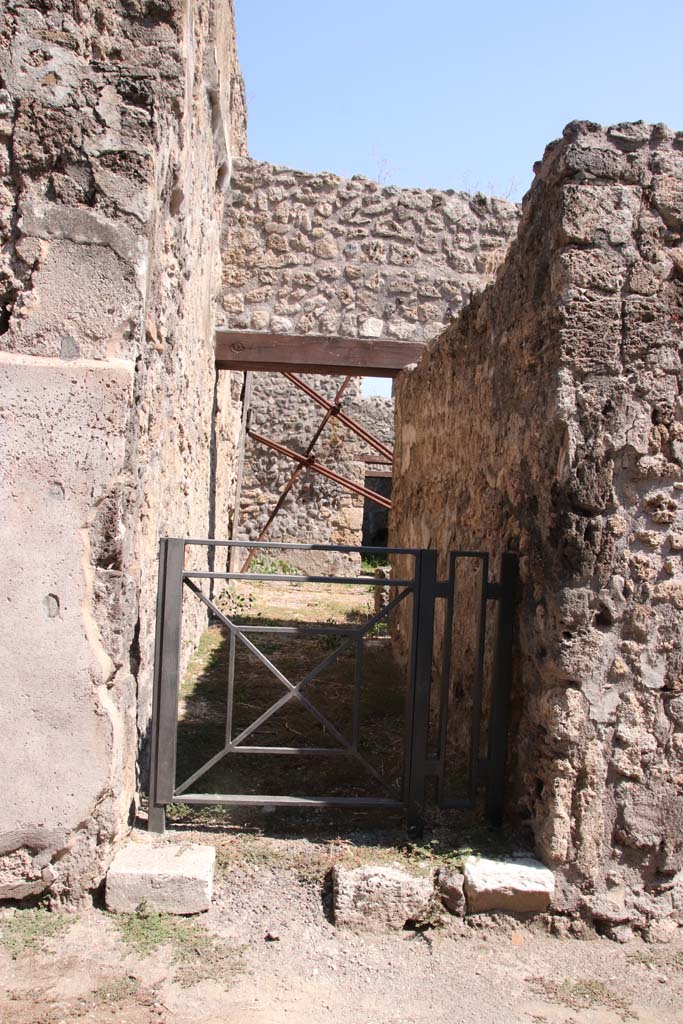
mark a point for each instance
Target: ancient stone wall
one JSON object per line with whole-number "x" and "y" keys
{"x": 315, "y": 253}
{"x": 319, "y": 254}
{"x": 376, "y": 414}
{"x": 550, "y": 417}
{"x": 117, "y": 120}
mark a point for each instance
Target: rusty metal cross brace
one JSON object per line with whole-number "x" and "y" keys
{"x": 308, "y": 461}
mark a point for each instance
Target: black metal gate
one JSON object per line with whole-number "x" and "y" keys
{"x": 427, "y": 702}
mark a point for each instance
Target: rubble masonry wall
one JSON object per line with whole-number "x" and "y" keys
{"x": 318, "y": 254}
{"x": 551, "y": 417}
{"x": 117, "y": 121}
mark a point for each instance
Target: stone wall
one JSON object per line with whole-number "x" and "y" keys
{"x": 117, "y": 121}
{"x": 551, "y": 417}
{"x": 319, "y": 254}
{"x": 376, "y": 414}
{"x": 315, "y": 253}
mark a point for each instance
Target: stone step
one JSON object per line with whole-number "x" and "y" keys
{"x": 376, "y": 897}
{"x": 379, "y": 897}
{"x": 521, "y": 885}
{"x": 165, "y": 879}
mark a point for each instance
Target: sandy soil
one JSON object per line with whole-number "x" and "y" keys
{"x": 267, "y": 953}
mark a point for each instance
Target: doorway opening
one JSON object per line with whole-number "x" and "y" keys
{"x": 375, "y": 517}
{"x": 315, "y": 460}
{"x": 303, "y": 699}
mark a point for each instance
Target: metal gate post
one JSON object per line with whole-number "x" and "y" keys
{"x": 166, "y": 681}
{"x": 422, "y": 645}
{"x": 500, "y": 690}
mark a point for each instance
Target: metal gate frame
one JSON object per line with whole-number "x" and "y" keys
{"x": 419, "y": 764}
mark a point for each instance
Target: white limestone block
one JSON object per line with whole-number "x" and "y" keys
{"x": 169, "y": 879}
{"x": 374, "y": 898}
{"x": 281, "y": 325}
{"x": 522, "y": 885}
{"x": 372, "y": 327}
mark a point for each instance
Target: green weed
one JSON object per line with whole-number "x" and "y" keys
{"x": 380, "y": 628}
{"x": 180, "y": 813}
{"x": 266, "y": 565}
{"x": 656, "y": 956}
{"x": 30, "y": 929}
{"x": 478, "y": 841}
{"x": 196, "y": 953}
{"x": 115, "y": 990}
{"x": 368, "y": 564}
{"x": 310, "y": 862}
{"x": 231, "y": 601}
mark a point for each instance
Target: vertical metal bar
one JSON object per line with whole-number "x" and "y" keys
{"x": 231, "y": 691}
{"x": 500, "y": 695}
{"x": 422, "y": 644}
{"x": 410, "y": 688}
{"x": 233, "y": 553}
{"x": 156, "y": 813}
{"x": 445, "y": 679}
{"x": 167, "y": 676}
{"x": 478, "y": 687}
{"x": 357, "y": 683}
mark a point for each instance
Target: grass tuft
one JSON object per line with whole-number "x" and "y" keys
{"x": 582, "y": 994}
{"x": 195, "y": 952}
{"x": 476, "y": 841}
{"x": 266, "y": 565}
{"x": 31, "y": 929}
{"x": 116, "y": 990}
{"x": 368, "y": 564}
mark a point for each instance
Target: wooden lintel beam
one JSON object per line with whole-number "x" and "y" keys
{"x": 313, "y": 353}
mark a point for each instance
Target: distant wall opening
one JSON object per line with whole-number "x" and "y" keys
{"x": 375, "y": 518}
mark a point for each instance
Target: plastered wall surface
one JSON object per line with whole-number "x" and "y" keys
{"x": 315, "y": 253}
{"x": 117, "y": 121}
{"x": 554, "y": 428}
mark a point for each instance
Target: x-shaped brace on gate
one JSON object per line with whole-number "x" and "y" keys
{"x": 294, "y": 690}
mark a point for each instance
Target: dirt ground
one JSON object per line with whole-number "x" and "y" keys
{"x": 267, "y": 953}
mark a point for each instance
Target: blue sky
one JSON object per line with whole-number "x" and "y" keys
{"x": 444, "y": 94}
